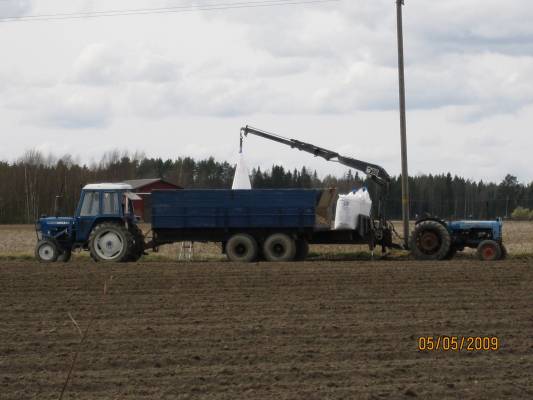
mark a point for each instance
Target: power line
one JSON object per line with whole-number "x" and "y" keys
{"x": 166, "y": 10}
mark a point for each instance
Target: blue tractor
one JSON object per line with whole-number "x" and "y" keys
{"x": 104, "y": 224}
{"x": 436, "y": 239}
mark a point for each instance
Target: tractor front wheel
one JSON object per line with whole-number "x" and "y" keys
{"x": 489, "y": 250}
{"x": 46, "y": 251}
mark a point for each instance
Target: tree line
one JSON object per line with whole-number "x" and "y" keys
{"x": 29, "y": 186}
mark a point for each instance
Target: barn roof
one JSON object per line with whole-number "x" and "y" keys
{"x": 139, "y": 183}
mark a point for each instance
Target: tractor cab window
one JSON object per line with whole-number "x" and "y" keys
{"x": 91, "y": 204}
{"x": 110, "y": 203}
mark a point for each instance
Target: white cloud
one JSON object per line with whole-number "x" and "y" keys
{"x": 14, "y": 8}
{"x": 322, "y": 73}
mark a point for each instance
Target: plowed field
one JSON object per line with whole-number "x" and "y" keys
{"x": 315, "y": 330}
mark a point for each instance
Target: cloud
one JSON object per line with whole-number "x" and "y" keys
{"x": 115, "y": 63}
{"x": 14, "y": 8}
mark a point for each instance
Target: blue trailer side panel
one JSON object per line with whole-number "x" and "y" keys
{"x": 178, "y": 209}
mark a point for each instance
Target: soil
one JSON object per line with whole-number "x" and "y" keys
{"x": 313, "y": 330}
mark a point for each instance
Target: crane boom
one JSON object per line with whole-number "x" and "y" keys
{"x": 375, "y": 172}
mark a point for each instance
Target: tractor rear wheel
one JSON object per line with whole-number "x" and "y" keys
{"x": 110, "y": 242}
{"x": 279, "y": 247}
{"x": 430, "y": 240}
{"x": 46, "y": 251}
{"x": 489, "y": 250}
{"x": 241, "y": 247}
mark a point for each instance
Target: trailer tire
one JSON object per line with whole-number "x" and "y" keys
{"x": 110, "y": 242}
{"x": 302, "y": 250}
{"x": 489, "y": 250}
{"x": 46, "y": 251}
{"x": 430, "y": 240}
{"x": 279, "y": 247}
{"x": 241, "y": 248}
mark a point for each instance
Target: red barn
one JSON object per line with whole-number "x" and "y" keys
{"x": 144, "y": 187}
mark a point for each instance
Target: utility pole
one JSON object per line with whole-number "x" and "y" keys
{"x": 403, "y": 126}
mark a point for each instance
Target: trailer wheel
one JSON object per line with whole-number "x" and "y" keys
{"x": 46, "y": 251}
{"x": 110, "y": 242}
{"x": 279, "y": 247}
{"x": 430, "y": 241}
{"x": 489, "y": 250}
{"x": 302, "y": 250}
{"x": 241, "y": 248}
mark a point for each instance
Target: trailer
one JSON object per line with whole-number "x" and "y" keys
{"x": 275, "y": 225}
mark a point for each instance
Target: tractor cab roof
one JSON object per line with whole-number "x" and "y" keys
{"x": 107, "y": 186}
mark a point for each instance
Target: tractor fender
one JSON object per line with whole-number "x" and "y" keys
{"x": 436, "y": 219}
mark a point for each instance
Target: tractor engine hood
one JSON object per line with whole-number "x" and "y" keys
{"x": 54, "y": 223}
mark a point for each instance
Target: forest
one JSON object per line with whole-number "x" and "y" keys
{"x": 29, "y": 186}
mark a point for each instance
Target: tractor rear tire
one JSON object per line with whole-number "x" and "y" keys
{"x": 46, "y": 251}
{"x": 430, "y": 240}
{"x": 279, "y": 247}
{"x": 302, "y": 250}
{"x": 242, "y": 247}
{"x": 110, "y": 242}
{"x": 489, "y": 250}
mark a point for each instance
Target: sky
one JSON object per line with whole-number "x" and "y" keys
{"x": 183, "y": 84}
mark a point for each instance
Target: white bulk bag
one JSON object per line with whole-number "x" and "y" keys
{"x": 241, "y": 180}
{"x": 350, "y": 206}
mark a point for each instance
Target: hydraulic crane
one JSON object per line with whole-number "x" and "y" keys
{"x": 375, "y": 172}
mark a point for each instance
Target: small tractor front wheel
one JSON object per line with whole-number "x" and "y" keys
{"x": 110, "y": 242}
{"x": 242, "y": 248}
{"x": 489, "y": 250}
{"x": 430, "y": 240}
{"x": 46, "y": 251}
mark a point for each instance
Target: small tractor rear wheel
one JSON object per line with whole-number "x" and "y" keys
{"x": 302, "y": 250}
{"x": 279, "y": 247}
{"x": 430, "y": 240}
{"x": 46, "y": 251}
{"x": 110, "y": 242}
{"x": 489, "y": 250}
{"x": 241, "y": 247}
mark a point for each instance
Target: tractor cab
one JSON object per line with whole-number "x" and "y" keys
{"x": 108, "y": 204}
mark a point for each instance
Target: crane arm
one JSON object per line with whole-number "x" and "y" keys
{"x": 375, "y": 172}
